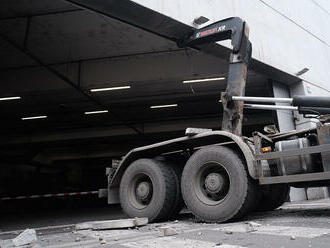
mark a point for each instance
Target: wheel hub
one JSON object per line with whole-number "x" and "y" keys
{"x": 143, "y": 190}
{"x": 214, "y": 183}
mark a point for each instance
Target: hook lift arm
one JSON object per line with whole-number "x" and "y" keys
{"x": 237, "y": 30}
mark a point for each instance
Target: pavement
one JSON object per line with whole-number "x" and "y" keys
{"x": 297, "y": 224}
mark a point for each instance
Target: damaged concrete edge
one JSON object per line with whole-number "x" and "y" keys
{"x": 112, "y": 224}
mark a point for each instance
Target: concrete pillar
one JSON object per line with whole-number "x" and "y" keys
{"x": 286, "y": 123}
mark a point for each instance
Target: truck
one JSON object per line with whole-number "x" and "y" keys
{"x": 220, "y": 175}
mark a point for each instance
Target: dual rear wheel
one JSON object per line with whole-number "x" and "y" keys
{"x": 220, "y": 188}
{"x": 214, "y": 185}
{"x": 151, "y": 188}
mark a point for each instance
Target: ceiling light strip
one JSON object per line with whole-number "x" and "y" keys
{"x": 203, "y": 80}
{"x": 96, "y": 112}
{"x": 10, "y": 98}
{"x": 34, "y": 117}
{"x": 164, "y": 106}
{"x": 111, "y": 88}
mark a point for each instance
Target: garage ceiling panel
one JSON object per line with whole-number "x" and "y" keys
{"x": 84, "y": 35}
{"x": 14, "y": 8}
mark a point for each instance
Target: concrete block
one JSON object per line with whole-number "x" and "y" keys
{"x": 112, "y": 224}
{"x": 167, "y": 231}
{"x": 317, "y": 193}
{"x": 27, "y": 237}
{"x": 252, "y": 226}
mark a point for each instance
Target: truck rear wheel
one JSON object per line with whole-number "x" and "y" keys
{"x": 216, "y": 186}
{"x": 148, "y": 189}
{"x": 273, "y": 196}
{"x": 178, "y": 201}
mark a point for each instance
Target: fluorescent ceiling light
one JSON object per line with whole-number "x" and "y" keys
{"x": 96, "y": 112}
{"x": 203, "y": 80}
{"x": 164, "y": 106}
{"x": 111, "y": 88}
{"x": 34, "y": 117}
{"x": 10, "y": 98}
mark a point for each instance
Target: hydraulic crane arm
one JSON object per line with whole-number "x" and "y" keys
{"x": 238, "y": 31}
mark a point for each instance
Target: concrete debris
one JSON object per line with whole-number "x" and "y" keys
{"x": 293, "y": 237}
{"x": 252, "y": 226}
{"x": 112, "y": 224}
{"x": 166, "y": 231}
{"x": 27, "y": 237}
{"x": 140, "y": 221}
{"x": 255, "y": 224}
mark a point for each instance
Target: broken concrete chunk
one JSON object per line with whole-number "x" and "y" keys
{"x": 167, "y": 231}
{"x": 252, "y": 226}
{"x": 112, "y": 224}
{"x": 140, "y": 221}
{"x": 27, "y": 237}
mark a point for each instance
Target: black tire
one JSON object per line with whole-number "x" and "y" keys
{"x": 159, "y": 179}
{"x": 273, "y": 196}
{"x": 200, "y": 185}
{"x": 178, "y": 201}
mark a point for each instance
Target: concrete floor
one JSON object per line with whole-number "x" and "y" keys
{"x": 298, "y": 224}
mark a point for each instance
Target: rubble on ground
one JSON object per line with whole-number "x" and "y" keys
{"x": 112, "y": 224}
{"x": 166, "y": 231}
{"x": 27, "y": 237}
{"x": 252, "y": 226}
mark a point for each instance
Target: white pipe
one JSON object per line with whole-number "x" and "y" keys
{"x": 262, "y": 99}
{"x": 270, "y": 107}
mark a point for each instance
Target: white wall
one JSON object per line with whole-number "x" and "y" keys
{"x": 289, "y": 35}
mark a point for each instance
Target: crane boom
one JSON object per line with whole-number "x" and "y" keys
{"x": 237, "y": 31}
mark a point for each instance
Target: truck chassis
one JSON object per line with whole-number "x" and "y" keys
{"x": 222, "y": 175}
